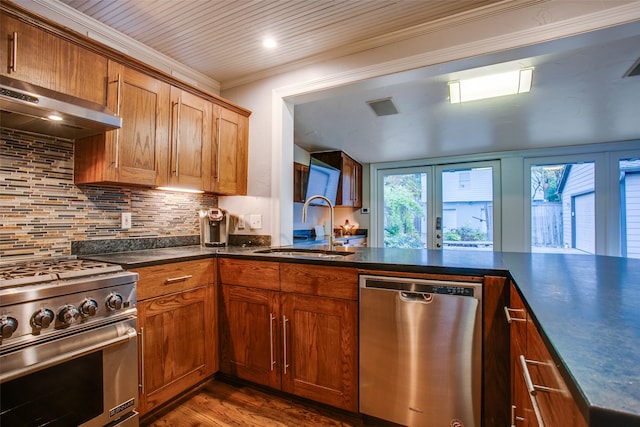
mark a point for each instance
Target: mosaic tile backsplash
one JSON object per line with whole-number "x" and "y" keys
{"x": 42, "y": 211}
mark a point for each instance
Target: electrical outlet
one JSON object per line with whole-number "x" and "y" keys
{"x": 126, "y": 220}
{"x": 255, "y": 221}
{"x": 241, "y": 224}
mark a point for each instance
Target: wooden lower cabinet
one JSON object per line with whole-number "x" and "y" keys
{"x": 249, "y": 337}
{"x": 177, "y": 330}
{"x": 299, "y": 342}
{"x": 539, "y": 395}
{"x": 320, "y": 349}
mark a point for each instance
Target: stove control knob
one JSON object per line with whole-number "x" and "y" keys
{"x": 43, "y": 318}
{"x": 114, "y": 302}
{"x": 88, "y": 307}
{"x": 68, "y": 314}
{"x": 8, "y": 326}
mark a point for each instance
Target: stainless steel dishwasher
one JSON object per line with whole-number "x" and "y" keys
{"x": 421, "y": 351}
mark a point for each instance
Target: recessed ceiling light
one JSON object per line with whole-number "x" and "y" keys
{"x": 55, "y": 117}
{"x": 269, "y": 43}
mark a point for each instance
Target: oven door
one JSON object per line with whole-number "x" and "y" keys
{"x": 89, "y": 378}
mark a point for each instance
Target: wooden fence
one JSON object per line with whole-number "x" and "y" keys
{"x": 546, "y": 224}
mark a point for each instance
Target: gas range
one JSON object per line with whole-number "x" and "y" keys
{"x": 68, "y": 321}
{"x": 54, "y": 296}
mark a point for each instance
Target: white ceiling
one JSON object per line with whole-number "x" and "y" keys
{"x": 578, "y": 94}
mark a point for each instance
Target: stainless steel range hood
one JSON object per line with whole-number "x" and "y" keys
{"x": 28, "y": 107}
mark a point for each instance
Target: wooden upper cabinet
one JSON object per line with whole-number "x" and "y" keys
{"x": 137, "y": 153}
{"x": 350, "y": 185}
{"x": 230, "y": 153}
{"x": 35, "y": 56}
{"x": 191, "y": 141}
{"x": 300, "y": 180}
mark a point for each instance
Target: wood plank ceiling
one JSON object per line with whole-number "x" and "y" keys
{"x": 223, "y": 38}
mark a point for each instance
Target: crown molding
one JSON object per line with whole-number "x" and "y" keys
{"x": 543, "y": 33}
{"x": 92, "y": 28}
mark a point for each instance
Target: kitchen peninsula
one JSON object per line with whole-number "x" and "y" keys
{"x": 584, "y": 306}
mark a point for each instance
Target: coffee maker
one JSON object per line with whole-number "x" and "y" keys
{"x": 214, "y": 227}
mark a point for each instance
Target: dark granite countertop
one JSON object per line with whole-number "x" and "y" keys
{"x": 588, "y": 308}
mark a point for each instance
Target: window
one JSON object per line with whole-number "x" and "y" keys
{"x": 563, "y": 208}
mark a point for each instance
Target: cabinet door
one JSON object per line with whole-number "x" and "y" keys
{"x": 35, "y": 56}
{"x": 191, "y": 141}
{"x": 356, "y": 180}
{"x": 320, "y": 356}
{"x": 137, "y": 152}
{"x": 300, "y": 179}
{"x": 249, "y": 338}
{"x": 557, "y": 406}
{"x": 230, "y": 154}
{"x": 177, "y": 346}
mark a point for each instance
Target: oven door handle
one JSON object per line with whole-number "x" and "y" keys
{"x": 129, "y": 334}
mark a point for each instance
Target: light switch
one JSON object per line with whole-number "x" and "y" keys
{"x": 255, "y": 221}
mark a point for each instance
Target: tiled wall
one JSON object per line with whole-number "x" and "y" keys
{"x": 42, "y": 211}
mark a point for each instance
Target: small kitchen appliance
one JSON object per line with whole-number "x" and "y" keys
{"x": 214, "y": 227}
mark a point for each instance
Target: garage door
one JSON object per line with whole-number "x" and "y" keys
{"x": 584, "y": 222}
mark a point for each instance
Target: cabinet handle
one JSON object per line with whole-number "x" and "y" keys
{"x": 141, "y": 385}
{"x": 179, "y": 104}
{"x": 177, "y": 279}
{"x": 271, "y": 319}
{"x": 284, "y": 342}
{"x": 118, "y": 92}
{"x": 514, "y": 417}
{"x": 507, "y": 313}
{"x": 219, "y": 143}
{"x": 534, "y": 388}
{"x": 14, "y": 52}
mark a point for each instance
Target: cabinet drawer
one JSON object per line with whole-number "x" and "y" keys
{"x": 318, "y": 280}
{"x": 254, "y": 274}
{"x": 168, "y": 278}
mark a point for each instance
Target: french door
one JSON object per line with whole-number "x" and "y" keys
{"x": 453, "y": 206}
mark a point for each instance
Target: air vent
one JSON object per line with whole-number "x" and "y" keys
{"x": 383, "y": 107}
{"x": 634, "y": 70}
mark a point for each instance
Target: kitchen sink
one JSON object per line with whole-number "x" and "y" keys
{"x": 306, "y": 253}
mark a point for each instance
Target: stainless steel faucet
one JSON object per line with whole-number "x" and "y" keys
{"x": 304, "y": 216}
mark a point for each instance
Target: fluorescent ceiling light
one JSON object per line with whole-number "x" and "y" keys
{"x": 509, "y": 83}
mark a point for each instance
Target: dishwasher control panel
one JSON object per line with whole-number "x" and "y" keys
{"x": 439, "y": 287}
{"x": 450, "y": 290}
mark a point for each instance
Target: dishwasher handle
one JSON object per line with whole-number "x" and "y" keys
{"x": 415, "y": 297}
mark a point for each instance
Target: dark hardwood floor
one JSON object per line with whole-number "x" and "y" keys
{"x": 222, "y": 403}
